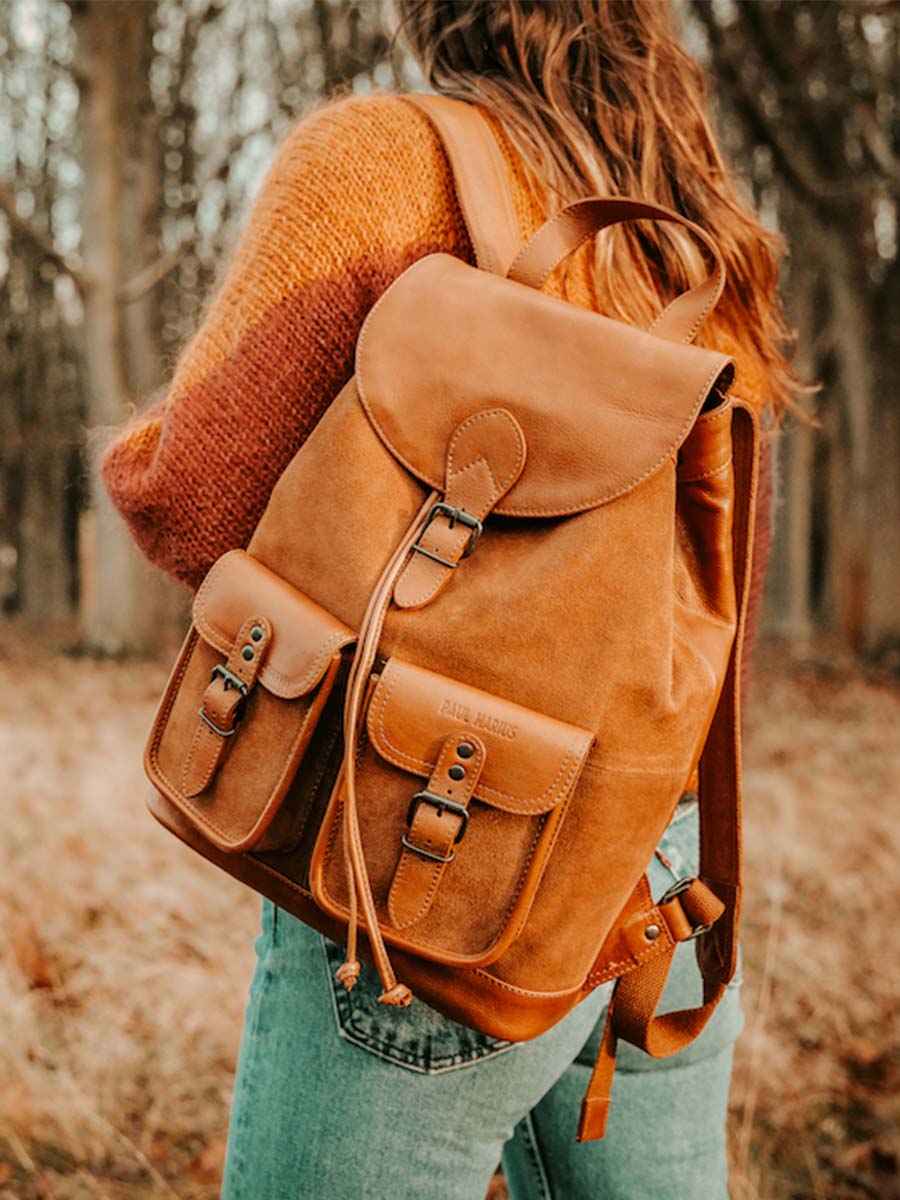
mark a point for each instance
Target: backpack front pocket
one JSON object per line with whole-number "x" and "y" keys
{"x": 459, "y": 794}
{"x": 242, "y": 704}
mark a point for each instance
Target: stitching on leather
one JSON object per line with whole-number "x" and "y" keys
{"x": 402, "y": 872}
{"x": 361, "y": 344}
{"x": 437, "y": 869}
{"x": 523, "y": 804}
{"x": 417, "y": 565}
{"x": 509, "y": 420}
{"x": 513, "y": 512}
{"x": 211, "y": 764}
{"x": 541, "y": 822}
{"x": 268, "y": 674}
{"x": 453, "y": 476}
{"x": 706, "y": 474}
{"x": 410, "y": 944}
{"x": 396, "y": 883}
{"x": 494, "y": 157}
{"x": 633, "y": 960}
{"x": 412, "y": 759}
{"x": 713, "y": 300}
{"x": 606, "y": 499}
{"x": 172, "y": 789}
{"x": 220, "y": 640}
{"x": 560, "y": 219}
{"x": 483, "y": 248}
{"x": 717, "y": 414}
{"x": 520, "y": 991}
{"x": 207, "y": 821}
{"x": 436, "y": 578}
{"x": 418, "y": 944}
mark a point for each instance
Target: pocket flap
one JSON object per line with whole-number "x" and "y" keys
{"x": 532, "y": 760}
{"x": 304, "y": 638}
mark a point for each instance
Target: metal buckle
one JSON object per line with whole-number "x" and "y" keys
{"x": 442, "y": 806}
{"x": 455, "y": 516}
{"x": 679, "y": 886}
{"x": 229, "y": 680}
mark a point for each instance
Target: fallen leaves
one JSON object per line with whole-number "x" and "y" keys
{"x": 30, "y": 955}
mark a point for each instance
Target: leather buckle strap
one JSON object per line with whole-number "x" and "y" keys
{"x": 236, "y": 710}
{"x": 442, "y": 805}
{"x": 485, "y": 457}
{"x": 436, "y": 823}
{"x": 455, "y": 516}
{"x": 632, "y": 1012}
{"x": 223, "y": 704}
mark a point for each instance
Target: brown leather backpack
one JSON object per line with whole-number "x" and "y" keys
{"x": 486, "y": 632}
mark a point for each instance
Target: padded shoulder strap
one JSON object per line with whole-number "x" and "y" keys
{"x": 481, "y": 178}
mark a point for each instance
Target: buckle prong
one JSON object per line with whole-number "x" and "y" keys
{"x": 456, "y": 516}
{"x": 229, "y": 680}
{"x": 442, "y": 805}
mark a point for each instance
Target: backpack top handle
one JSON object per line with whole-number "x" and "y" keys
{"x": 481, "y": 178}
{"x": 563, "y": 234}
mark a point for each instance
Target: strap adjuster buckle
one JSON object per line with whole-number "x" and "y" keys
{"x": 442, "y": 805}
{"x": 456, "y": 516}
{"x": 229, "y": 680}
{"x": 679, "y": 886}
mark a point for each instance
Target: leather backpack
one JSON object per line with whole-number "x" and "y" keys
{"x": 485, "y": 635}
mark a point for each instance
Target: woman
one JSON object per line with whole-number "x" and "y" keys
{"x": 337, "y": 1095}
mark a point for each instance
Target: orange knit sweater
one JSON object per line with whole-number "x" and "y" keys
{"x": 358, "y": 192}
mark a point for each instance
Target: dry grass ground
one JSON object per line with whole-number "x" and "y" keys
{"x": 124, "y": 968}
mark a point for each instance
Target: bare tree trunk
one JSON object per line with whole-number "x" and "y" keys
{"x": 120, "y": 598}
{"x": 45, "y": 580}
{"x": 855, "y": 355}
{"x": 793, "y": 557}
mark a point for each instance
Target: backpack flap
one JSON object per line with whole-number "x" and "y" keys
{"x": 460, "y": 794}
{"x": 602, "y": 405}
{"x": 243, "y": 701}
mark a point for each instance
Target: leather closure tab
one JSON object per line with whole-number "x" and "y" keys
{"x": 437, "y": 823}
{"x": 533, "y": 762}
{"x": 307, "y": 636}
{"x": 607, "y": 409}
{"x": 485, "y": 457}
{"x": 223, "y": 704}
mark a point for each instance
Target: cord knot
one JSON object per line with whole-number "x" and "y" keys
{"x": 399, "y": 996}
{"x": 348, "y": 973}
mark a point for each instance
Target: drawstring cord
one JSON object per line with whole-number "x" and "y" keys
{"x": 362, "y": 903}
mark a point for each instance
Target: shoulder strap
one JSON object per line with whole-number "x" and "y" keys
{"x": 632, "y": 1011}
{"x": 481, "y": 178}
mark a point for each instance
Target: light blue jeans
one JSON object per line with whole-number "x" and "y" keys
{"x": 340, "y": 1098}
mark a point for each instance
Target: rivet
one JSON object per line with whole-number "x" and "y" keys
{"x": 457, "y": 772}
{"x": 465, "y": 749}
{"x": 248, "y": 653}
{"x": 652, "y": 932}
{"x": 256, "y": 633}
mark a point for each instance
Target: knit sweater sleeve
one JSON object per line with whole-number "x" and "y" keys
{"x": 357, "y": 193}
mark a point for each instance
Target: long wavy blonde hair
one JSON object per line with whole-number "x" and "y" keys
{"x": 598, "y": 96}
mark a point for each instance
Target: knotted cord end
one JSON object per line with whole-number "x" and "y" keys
{"x": 399, "y": 996}
{"x": 348, "y": 973}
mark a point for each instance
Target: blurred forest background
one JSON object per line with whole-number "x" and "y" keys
{"x": 133, "y": 134}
